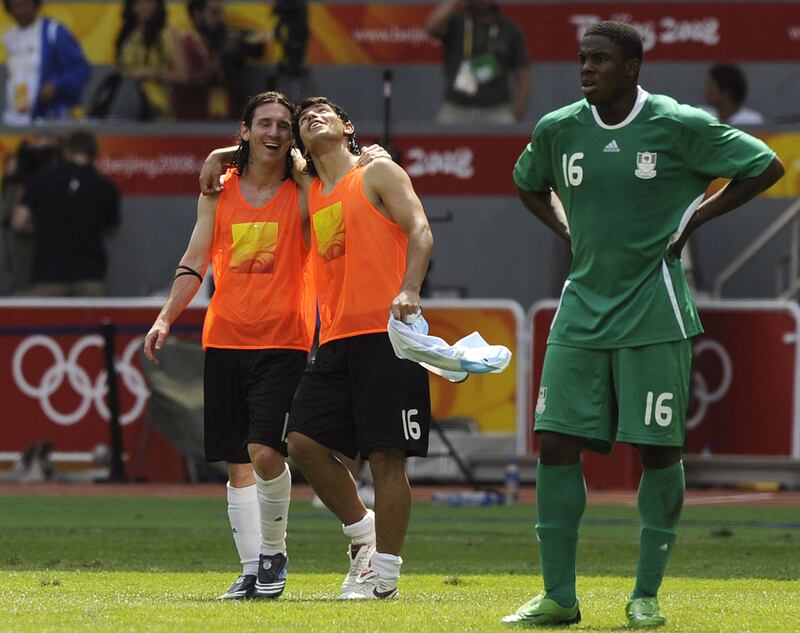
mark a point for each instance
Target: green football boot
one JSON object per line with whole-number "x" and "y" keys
{"x": 643, "y": 613}
{"x": 541, "y": 611}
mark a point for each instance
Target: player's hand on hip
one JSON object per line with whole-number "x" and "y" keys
{"x": 406, "y": 305}
{"x": 154, "y": 340}
{"x": 676, "y": 248}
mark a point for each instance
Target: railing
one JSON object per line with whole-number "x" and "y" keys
{"x": 789, "y": 217}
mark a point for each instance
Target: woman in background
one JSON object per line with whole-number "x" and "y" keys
{"x": 147, "y": 51}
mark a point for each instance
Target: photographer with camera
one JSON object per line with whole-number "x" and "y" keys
{"x": 69, "y": 209}
{"x": 217, "y": 58}
{"x": 32, "y": 156}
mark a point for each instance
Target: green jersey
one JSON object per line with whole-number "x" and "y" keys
{"x": 627, "y": 189}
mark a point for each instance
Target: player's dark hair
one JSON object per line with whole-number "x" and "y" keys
{"x": 83, "y": 143}
{"x": 7, "y": 4}
{"x": 623, "y": 35}
{"x": 731, "y": 81}
{"x": 242, "y": 157}
{"x": 352, "y": 142}
{"x": 152, "y": 29}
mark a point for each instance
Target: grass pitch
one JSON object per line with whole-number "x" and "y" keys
{"x": 135, "y": 564}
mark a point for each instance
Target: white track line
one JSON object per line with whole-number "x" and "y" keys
{"x": 752, "y": 496}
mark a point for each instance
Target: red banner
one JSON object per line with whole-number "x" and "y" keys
{"x": 53, "y": 379}
{"x": 383, "y": 33}
{"x": 438, "y": 165}
{"x": 393, "y": 33}
{"x": 743, "y": 378}
{"x": 156, "y": 165}
{"x": 54, "y": 382}
{"x": 442, "y": 165}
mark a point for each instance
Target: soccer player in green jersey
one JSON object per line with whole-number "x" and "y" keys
{"x": 631, "y": 170}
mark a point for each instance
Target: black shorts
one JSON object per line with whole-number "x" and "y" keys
{"x": 248, "y": 395}
{"x": 358, "y": 396}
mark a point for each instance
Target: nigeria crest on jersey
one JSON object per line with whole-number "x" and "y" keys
{"x": 645, "y": 165}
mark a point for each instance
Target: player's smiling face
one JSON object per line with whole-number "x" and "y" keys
{"x": 319, "y": 121}
{"x": 270, "y": 134}
{"x": 605, "y": 73}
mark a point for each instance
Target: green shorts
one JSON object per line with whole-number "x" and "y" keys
{"x": 637, "y": 395}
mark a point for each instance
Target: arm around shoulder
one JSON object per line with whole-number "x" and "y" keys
{"x": 300, "y": 173}
{"x": 214, "y": 167}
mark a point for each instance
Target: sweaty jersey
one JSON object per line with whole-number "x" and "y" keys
{"x": 626, "y": 190}
{"x": 261, "y": 300}
{"x": 359, "y": 259}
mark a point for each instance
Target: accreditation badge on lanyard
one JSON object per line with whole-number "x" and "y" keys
{"x": 478, "y": 69}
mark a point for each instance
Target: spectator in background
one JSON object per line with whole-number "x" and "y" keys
{"x": 32, "y": 156}
{"x": 482, "y": 51}
{"x": 46, "y": 69}
{"x": 292, "y": 34}
{"x": 69, "y": 209}
{"x": 726, "y": 91}
{"x": 202, "y": 95}
{"x": 146, "y": 52}
{"x": 216, "y": 57}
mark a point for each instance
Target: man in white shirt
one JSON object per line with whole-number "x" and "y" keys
{"x": 46, "y": 69}
{"x": 726, "y": 91}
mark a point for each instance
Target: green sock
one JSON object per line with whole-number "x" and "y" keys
{"x": 660, "y": 504}
{"x": 560, "y": 502}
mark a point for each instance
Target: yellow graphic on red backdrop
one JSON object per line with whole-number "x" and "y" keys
{"x": 488, "y": 399}
{"x": 253, "y": 249}
{"x": 787, "y": 147}
{"x": 329, "y": 231}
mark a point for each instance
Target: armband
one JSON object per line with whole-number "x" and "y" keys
{"x": 185, "y": 270}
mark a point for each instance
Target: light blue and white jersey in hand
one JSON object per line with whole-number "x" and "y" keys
{"x": 469, "y": 355}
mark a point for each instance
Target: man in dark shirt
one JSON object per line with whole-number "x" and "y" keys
{"x": 70, "y": 208}
{"x": 482, "y": 51}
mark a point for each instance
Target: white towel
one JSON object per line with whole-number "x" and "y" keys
{"x": 469, "y": 355}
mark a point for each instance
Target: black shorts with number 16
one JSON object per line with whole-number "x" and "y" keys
{"x": 358, "y": 396}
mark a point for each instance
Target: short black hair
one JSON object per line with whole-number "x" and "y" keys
{"x": 731, "y": 81}
{"x": 83, "y": 143}
{"x": 352, "y": 142}
{"x": 622, "y": 34}
{"x": 243, "y": 153}
{"x": 7, "y": 4}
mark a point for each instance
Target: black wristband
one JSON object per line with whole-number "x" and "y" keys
{"x": 188, "y": 271}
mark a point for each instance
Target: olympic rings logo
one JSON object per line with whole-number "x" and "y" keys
{"x": 700, "y": 391}
{"x": 91, "y": 392}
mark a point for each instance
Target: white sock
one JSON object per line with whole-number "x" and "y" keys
{"x": 273, "y": 503}
{"x": 387, "y": 566}
{"x": 362, "y": 531}
{"x": 243, "y": 515}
